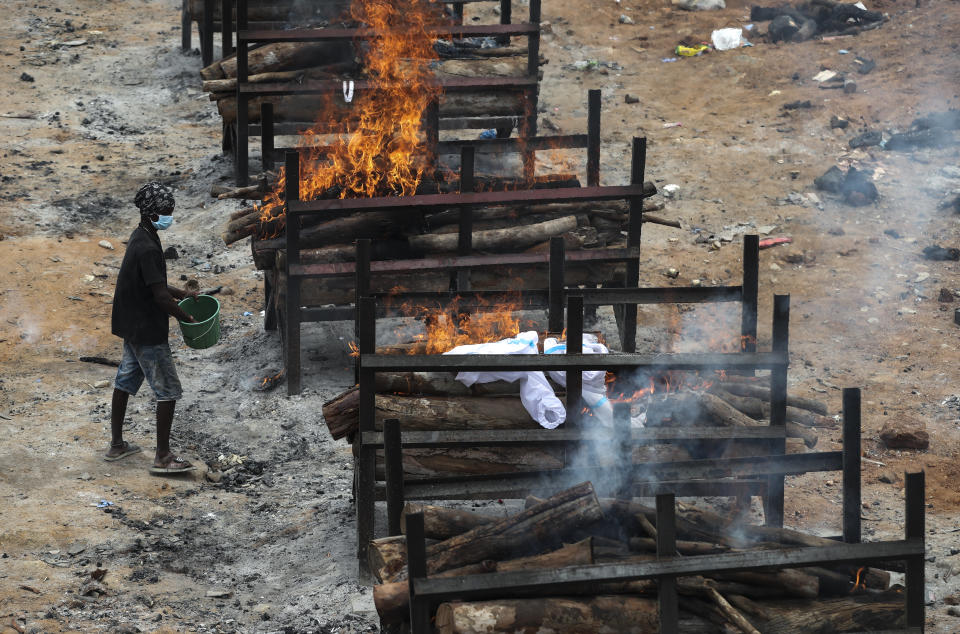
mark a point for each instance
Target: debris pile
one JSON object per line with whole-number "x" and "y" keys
{"x": 818, "y": 17}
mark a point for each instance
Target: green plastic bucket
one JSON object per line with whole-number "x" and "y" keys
{"x": 206, "y": 332}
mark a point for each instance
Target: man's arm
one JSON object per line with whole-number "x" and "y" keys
{"x": 163, "y": 296}
{"x": 179, "y": 293}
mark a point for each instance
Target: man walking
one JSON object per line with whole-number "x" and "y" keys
{"x": 142, "y": 305}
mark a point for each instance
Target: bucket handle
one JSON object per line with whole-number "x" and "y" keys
{"x": 212, "y": 324}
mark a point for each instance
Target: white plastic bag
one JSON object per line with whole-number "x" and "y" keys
{"x": 726, "y": 39}
{"x": 535, "y": 392}
{"x": 594, "y": 390}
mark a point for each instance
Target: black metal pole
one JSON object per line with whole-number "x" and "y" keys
{"x": 292, "y": 193}
{"x": 266, "y": 135}
{"x": 628, "y": 312}
{"x": 465, "y": 236}
{"x": 417, "y": 569}
{"x": 773, "y": 503}
{"x": 241, "y": 166}
{"x": 593, "y": 138}
{"x": 393, "y": 467}
{"x": 366, "y": 455}
{"x": 667, "y": 600}
{"x": 556, "y": 290}
{"x": 226, "y": 28}
{"x": 851, "y": 465}
{"x": 506, "y": 10}
{"x": 574, "y": 346}
{"x": 206, "y": 34}
{"x": 186, "y": 26}
{"x": 915, "y": 579}
{"x": 750, "y": 291}
{"x": 361, "y": 290}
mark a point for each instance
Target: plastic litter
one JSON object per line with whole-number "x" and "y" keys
{"x": 666, "y": 60}
{"x": 488, "y": 134}
{"x": 104, "y": 504}
{"x": 247, "y": 313}
{"x": 535, "y": 392}
{"x": 843, "y": 51}
{"x": 674, "y": 124}
{"x": 726, "y": 39}
{"x": 594, "y": 390}
{"x": 692, "y": 51}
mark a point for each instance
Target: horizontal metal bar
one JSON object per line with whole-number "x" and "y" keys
{"x": 659, "y": 362}
{"x": 496, "y": 146}
{"x": 325, "y": 86}
{"x": 330, "y": 313}
{"x": 293, "y": 128}
{"x": 713, "y": 468}
{"x": 512, "y": 437}
{"x": 660, "y": 295}
{"x": 458, "y": 31}
{"x": 427, "y": 201}
{"x": 464, "y": 261}
{"x": 501, "y": 584}
{"x": 414, "y": 491}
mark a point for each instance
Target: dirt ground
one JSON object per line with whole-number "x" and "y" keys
{"x": 100, "y": 99}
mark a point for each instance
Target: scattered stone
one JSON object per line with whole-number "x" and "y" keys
{"x": 219, "y": 594}
{"x": 214, "y": 476}
{"x": 102, "y": 384}
{"x": 628, "y": 98}
{"x": 671, "y": 191}
{"x": 26, "y": 77}
{"x": 855, "y": 186}
{"x": 838, "y": 122}
{"x": 914, "y": 139}
{"x": 865, "y": 65}
{"x": 699, "y": 5}
{"x": 796, "y": 105}
{"x": 672, "y": 273}
{"x": 953, "y": 611}
{"x": 227, "y": 290}
{"x": 888, "y": 477}
{"x": 905, "y": 433}
{"x": 866, "y": 139}
{"x": 946, "y": 296}
{"x": 170, "y": 253}
{"x": 953, "y": 599}
{"x": 106, "y": 244}
{"x": 86, "y": 477}
{"x": 76, "y": 549}
{"x": 941, "y": 254}
{"x": 893, "y": 233}
{"x": 626, "y": 19}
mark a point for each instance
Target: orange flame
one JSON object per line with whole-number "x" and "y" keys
{"x": 382, "y": 153}
{"x": 856, "y": 582}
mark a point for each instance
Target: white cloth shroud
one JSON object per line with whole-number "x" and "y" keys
{"x": 535, "y": 392}
{"x": 594, "y": 382}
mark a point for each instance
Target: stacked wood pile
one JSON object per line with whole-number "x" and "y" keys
{"x": 576, "y": 528}
{"x": 431, "y": 401}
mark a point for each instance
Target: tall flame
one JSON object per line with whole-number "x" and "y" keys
{"x": 382, "y": 153}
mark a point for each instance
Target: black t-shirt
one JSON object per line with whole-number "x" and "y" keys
{"x": 136, "y": 317}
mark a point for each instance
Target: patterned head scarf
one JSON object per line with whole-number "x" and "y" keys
{"x": 154, "y": 198}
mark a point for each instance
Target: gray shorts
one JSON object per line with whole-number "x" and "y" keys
{"x": 153, "y": 362}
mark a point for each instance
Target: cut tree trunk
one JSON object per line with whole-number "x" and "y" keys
{"x": 392, "y": 599}
{"x": 540, "y": 527}
{"x": 762, "y": 392}
{"x": 497, "y": 239}
{"x": 387, "y": 557}
{"x": 428, "y": 413}
{"x": 440, "y": 522}
{"x": 446, "y": 461}
{"x": 287, "y": 56}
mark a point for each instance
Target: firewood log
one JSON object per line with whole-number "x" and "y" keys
{"x": 373, "y": 224}
{"x": 251, "y": 216}
{"x": 387, "y": 557}
{"x": 246, "y": 211}
{"x": 758, "y": 408}
{"x": 392, "y": 599}
{"x": 327, "y": 71}
{"x": 790, "y": 582}
{"x": 497, "y": 239}
{"x": 428, "y": 413}
{"x": 684, "y": 547}
{"x": 758, "y": 390}
{"x": 440, "y": 522}
{"x": 229, "y": 237}
{"x": 617, "y": 613}
{"x": 286, "y": 56}
{"x": 540, "y": 527}
{"x": 475, "y": 461}
{"x": 855, "y": 613}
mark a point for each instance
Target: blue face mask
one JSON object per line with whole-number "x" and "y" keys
{"x": 162, "y": 222}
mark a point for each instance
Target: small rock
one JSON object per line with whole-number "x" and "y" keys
{"x": 106, "y": 244}
{"x": 953, "y": 599}
{"x": 905, "y": 433}
{"x": 86, "y": 477}
{"x": 866, "y": 139}
{"x": 628, "y": 98}
{"x": 76, "y": 549}
{"x": 227, "y": 290}
{"x": 26, "y": 77}
{"x": 893, "y": 233}
{"x": 219, "y": 594}
{"x": 953, "y": 611}
{"x": 671, "y": 191}
{"x": 626, "y": 19}
{"x": 939, "y": 253}
{"x": 696, "y": 282}
{"x": 888, "y": 477}
{"x": 766, "y": 230}
{"x": 838, "y": 122}
{"x": 946, "y": 296}
{"x": 214, "y": 476}
{"x": 699, "y": 5}
{"x": 672, "y": 273}
{"x": 797, "y": 105}
{"x": 774, "y": 266}
{"x": 170, "y": 253}
{"x": 102, "y": 384}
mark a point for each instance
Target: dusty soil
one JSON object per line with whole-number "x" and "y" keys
{"x": 269, "y": 547}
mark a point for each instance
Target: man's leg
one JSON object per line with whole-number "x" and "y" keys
{"x": 118, "y": 411}
{"x": 164, "y": 423}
